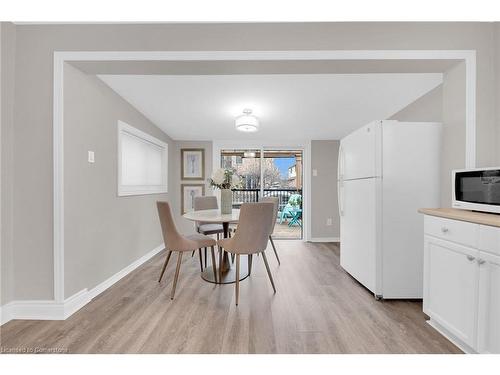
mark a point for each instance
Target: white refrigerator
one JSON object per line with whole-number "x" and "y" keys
{"x": 387, "y": 170}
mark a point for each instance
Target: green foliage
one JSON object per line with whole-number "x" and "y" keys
{"x": 295, "y": 200}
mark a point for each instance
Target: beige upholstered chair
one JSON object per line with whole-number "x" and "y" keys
{"x": 207, "y": 203}
{"x": 275, "y": 201}
{"x": 251, "y": 237}
{"x": 174, "y": 241}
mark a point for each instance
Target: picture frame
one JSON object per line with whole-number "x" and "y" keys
{"x": 192, "y": 164}
{"x": 188, "y": 193}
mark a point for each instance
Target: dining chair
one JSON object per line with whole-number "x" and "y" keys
{"x": 275, "y": 201}
{"x": 174, "y": 241}
{"x": 207, "y": 203}
{"x": 252, "y": 237}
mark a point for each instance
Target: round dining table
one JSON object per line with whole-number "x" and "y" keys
{"x": 226, "y": 273}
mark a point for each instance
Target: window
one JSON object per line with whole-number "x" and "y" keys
{"x": 142, "y": 162}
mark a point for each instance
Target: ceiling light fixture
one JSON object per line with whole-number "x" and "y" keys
{"x": 247, "y": 122}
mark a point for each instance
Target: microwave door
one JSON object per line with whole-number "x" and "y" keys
{"x": 477, "y": 190}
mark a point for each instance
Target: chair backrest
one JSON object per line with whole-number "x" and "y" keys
{"x": 275, "y": 201}
{"x": 254, "y": 227}
{"x": 171, "y": 236}
{"x": 204, "y": 203}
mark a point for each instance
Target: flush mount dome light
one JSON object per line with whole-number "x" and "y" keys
{"x": 247, "y": 122}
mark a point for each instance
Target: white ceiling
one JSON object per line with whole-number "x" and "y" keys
{"x": 290, "y": 107}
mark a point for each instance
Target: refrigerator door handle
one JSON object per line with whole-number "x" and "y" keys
{"x": 340, "y": 165}
{"x": 340, "y": 197}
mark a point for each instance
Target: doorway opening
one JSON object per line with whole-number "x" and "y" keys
{"x": 270, "y": 173}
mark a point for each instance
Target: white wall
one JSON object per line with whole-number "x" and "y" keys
{"x": 32, "y": 139}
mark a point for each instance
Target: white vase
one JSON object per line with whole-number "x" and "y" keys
{"x": 226, "y": 201}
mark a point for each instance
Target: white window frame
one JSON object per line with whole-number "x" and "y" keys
{"x": 127, "y": 190}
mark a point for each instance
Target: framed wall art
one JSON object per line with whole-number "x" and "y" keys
{"x": 193, "y": 164}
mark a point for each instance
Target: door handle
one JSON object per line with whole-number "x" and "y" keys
{"x": 470, "y": 258}
{"x": 481, "y": 261}
{"x": 444, "y": 230}
{"x": 340, "y": 198}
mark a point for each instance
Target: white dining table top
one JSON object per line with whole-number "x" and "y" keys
{"x": 213, "y": 216}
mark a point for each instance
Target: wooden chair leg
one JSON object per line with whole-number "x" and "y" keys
{"x": 274, "y": 248}
{"x": 201, "y": 260}
{"x": 179, "y": 260}
{"x": 237, "y": 284}
{"x": 249, "y": 264}
{"x": 192, "y": 254}
{"x": 214, "y": 268}
{"x": 268, "y": 271}
{"x": 165, "y": 265}
{"x": 205, "y": 257}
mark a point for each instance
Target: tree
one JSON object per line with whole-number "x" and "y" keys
{"x": 249, "y": 169}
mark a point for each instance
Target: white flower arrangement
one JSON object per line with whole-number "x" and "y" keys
{"x": 224, "y": 179}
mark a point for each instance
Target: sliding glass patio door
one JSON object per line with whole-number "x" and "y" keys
{"x": 270, "y": 173}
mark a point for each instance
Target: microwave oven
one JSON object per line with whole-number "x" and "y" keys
{"x": 476, "y": 189}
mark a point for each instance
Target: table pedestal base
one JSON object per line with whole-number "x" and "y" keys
{"x": 228, "y": 273}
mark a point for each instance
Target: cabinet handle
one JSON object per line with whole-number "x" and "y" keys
{"x": 470, "y": 258}
{"x": 481, "y": 261}
{"x": 444, "y": 230}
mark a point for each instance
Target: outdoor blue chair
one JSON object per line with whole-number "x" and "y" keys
{"x": 292, "y": 211}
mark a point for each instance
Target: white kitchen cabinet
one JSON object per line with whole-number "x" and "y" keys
{"x": 462, "y": 282}
{"x": 451, "y": 287}
{"x": 489, "y": 304}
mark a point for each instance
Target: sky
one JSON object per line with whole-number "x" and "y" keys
{"x": 283, "y": 164}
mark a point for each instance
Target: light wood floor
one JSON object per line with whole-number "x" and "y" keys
{"x": 318, "y": 308}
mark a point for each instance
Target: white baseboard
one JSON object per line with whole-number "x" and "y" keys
{"x": 52, "y": 310}
{"x": 458, "y": 343}
{"x": 6, "y": 313}
{"x": 325, "y": 239}
{"x": 94, "y": 292}
{"x": 32, "y": 310}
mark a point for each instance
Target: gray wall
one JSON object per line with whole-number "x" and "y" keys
{"x": 453, "y": 148}
{"x": 103, "y": 232}
{"x": 7, "y": 73}
{"x": 324, "y": 203}
{"x": 446, "y": 104}
{"x": 497, "y": 92}
{"x": 184, "y": 225}
{"x": 32, "y": 140}
{"x": 428, "y": 107}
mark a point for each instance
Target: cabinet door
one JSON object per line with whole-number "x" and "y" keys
{"x": 489, "y": 304}
{"x": 451, "y": 287}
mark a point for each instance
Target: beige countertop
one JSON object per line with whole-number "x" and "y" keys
{"x": 463, "y": 215}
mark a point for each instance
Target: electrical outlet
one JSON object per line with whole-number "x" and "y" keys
{"x": 91, "y": 157}
{"x": 329, "y": 221}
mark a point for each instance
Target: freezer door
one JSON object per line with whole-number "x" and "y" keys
{"x": 360, "y": 153}
{"x": 359, "y": 230}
